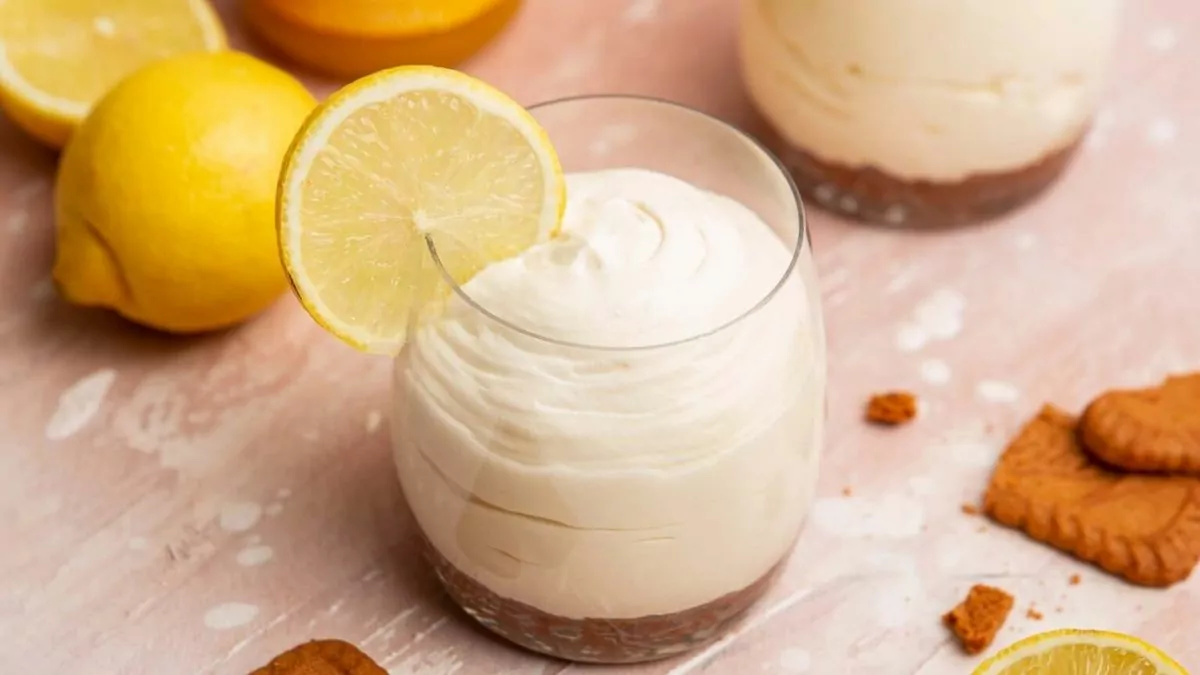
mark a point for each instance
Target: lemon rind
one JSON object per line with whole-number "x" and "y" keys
{"x": 338, "y": 108}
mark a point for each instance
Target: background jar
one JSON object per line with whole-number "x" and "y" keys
{"x": 929, "y": 113}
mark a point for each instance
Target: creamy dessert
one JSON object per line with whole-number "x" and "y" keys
{"x": 934, "y": 111}
{"x": 611, "y": 446}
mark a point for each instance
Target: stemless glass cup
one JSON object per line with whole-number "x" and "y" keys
{"x": 621, "y": 502}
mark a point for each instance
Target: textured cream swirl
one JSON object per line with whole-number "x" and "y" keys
{"x": 602, "y": 482}
{"x": 928, "y": 89}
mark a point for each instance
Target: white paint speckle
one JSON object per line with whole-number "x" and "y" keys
{"x": 825, "y": 193}
{"x": 895, "y": 214}
{"x": 941, "y": 314}
{"x": 995, "y": 391}
{"x": 230, "y": 615}
{"x": 42, "y": 290}
{"x": 794, "y": 661}
{"x": 935, "y": 371}
{"x": 374, "y": 419}
{"x": 848, "y": 204}
{"x": 1162, "y": 39}
{"x": 18, "y": 220}
{"x": 255, "y": 556}
{"x": 894, "y": 516}
{"x": 283, "y": 493}
{"x": 1026, "y": 241}
{"x": 938, "y": 317}
{"x": 910, "y": 337}
{"x": 30, "y": 190}
{"x": 902, "y": 280}
{"x": 642, "y": 11}
{"x": 239, "y": 516}
{"x": 138, "y": 544}
{"x": 600, "y": 147}
{"x": 1162, "y": 132}
{"x": 104, "y": 26}
{"x": 79, "y": 404}
{"x": 575, "y": 64}
{"x": 274, "y": 509}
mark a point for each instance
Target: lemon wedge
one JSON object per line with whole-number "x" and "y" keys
{"x": 395, "y": 167}
{"x": 1080, "y": 652}
{"x": 58, "y": 57}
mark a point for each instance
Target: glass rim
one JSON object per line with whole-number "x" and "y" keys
{"x": 797, "y": 248}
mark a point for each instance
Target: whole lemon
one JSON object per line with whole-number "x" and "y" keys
{"x": 165, "y": 196}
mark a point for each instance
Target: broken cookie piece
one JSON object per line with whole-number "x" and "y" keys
{"x": 1143, "y": 527}
{"x": 977, "y": 619}
{"x": 1154, "y": 430}
{"x": 892, "y": 408}
{"x": 322, "y": 657}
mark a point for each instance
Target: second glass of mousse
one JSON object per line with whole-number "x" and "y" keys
{"x": 610, "y": 441}
{"x": 930, "y": 113}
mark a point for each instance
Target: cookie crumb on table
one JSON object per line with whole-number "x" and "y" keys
{"x": 892, "y": 408}
{"x": 977, "y": 619}
{"x": 322, "y": 657}
{"x": 1074, "y": 580}
{"x": 970, "y": 509}
{"x": 1033, "y": 614}
{"x": 847, "y": 491}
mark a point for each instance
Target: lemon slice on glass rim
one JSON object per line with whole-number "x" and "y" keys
{"x": 1080, "y": 652}
{"x": 394, "y": 167}
{"x": 58, "y": 57}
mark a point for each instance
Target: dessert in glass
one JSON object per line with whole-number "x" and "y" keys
{"x": 932, "y": 113}
{"x": 610, "y": 441}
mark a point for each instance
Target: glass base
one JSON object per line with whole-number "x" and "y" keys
{"x": 606, "y": 641}
{"x": 870, "y": 195}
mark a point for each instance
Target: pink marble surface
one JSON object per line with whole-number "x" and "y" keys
{"x": 196, "y": 506}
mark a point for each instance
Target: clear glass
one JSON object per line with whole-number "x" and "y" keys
{"x": 926, "y": 114}
{"x": 622, "y": 500}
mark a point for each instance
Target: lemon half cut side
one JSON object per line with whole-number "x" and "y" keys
{"x": 1080, "y": 652}
{"x": 58, "y": 57}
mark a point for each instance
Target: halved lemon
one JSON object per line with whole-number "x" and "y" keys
{"x": 58, "y": 57}
{"x": 1080, "y": 652}
{"x": 394, "y": 168}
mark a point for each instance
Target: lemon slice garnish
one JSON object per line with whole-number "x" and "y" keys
{"x": 393, "y": 165}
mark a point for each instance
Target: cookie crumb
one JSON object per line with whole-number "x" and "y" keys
{"x": 977, "y": 619}
{"x": 1033, "y": 614}
{"x": 1152, "y": 429}
{"x": 847, "y": 491}
{"x": 329, "y": 657}
{"x": 1074, "y": 580}
{"x": 892, "y": 408}
{"x": 970, "y": 509}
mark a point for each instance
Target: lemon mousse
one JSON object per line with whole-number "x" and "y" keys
{"x": 567, "y": 488}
